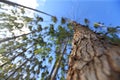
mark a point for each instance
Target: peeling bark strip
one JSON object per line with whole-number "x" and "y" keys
{"x": 93, "y": 58}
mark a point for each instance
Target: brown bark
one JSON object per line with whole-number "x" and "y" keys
{"x": 93, "y": 58}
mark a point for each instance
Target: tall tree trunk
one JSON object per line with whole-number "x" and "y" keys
{"x": 93, "y": 58}
{"x": 57, "y": 64}
{"x": 14, "y": 37}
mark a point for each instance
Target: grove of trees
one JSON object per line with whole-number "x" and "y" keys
{"x": 61, "y": 49}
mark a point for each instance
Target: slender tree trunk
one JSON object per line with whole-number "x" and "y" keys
{"x": 93, "y": 58}
{"x": 14, "y": 37}
{"x": 57, "y": 64}
{"x": 8, "y": 77}
{"x": 13, "y": 58}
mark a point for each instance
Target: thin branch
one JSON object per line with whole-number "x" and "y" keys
{"x": 14, "y": 37}
{"x": 13, "y": 48}
{"x": 18, "y": 68}
{"x": 16, "y": 56}
{"x": 16, "y": 4}
{"x": 52, "y": 70}
{"x": 58, "y": 63}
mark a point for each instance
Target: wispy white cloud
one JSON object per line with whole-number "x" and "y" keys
{"x": 31, "y": 3}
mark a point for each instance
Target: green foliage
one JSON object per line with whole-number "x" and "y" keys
{"x": 63, "y": 21}
{"x": 22, "y": 11}
{"x": 54, "y": 19}
{"x": 114, "y": 39}
{"x": 46, "y": 27}
{"x": 39, "y": 28}
{"x": 112, "y": 30}
{"x": 50, "y": 59}
{"x": 86, "y": 21}
{"x": 2, "y": 50}
{"x": 70, "y": 27}
{"x": 96, "y": 25}
{"x": 18, "y": 47}
{"x": 51, "y": 30}
{"x": 30, "y": 28}
{"x": 62, "y": 32}
{"x": 109, "y": 32}
{"x": 14, "y": 19}
{"x": 39, "y": 19}
{"x": 27, "y": 19}
{"x": 24, "y": 37}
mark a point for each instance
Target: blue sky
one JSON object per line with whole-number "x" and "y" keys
{"x": 106, "y": 11}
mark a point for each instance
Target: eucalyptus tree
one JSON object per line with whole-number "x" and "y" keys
{"x": 94, "y": 56}
{"x": 44, "y": 51}
{"x": 27, "y": 53}
{"x": 20, "y": 53}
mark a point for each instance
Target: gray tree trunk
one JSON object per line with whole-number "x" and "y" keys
{"x": 93, "y": 58}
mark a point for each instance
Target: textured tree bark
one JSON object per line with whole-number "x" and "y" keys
{"x": 93, "y": 58}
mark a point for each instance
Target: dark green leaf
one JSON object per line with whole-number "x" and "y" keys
{"x": 69, "y": 25}
{"x": 39, "y": 19}
{"x": 30, "y": 27}
{"x": 96, "y": 25}
{"x": 86, "y": 21}
{"x": 51, "y": 30}
{"x": 22, "y": 10}
{"x": 50, "y": 59}
{"x": 54, "y": 19}
{"x": 39, "y": 28}
{"x": 27, "y": 19}
{"x": 46, "y": 27}
{"x": 112, "y": 30}
{"x": 63, "y": 21}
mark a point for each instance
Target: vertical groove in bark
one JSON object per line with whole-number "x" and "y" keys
{"x": 93, "y": 58}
